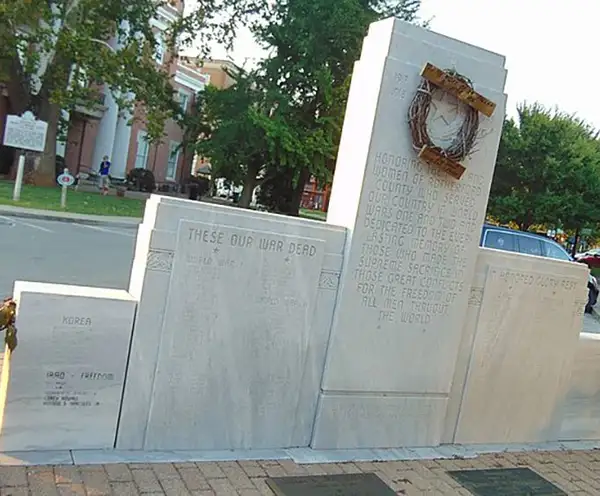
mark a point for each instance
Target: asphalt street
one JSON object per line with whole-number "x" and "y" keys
{"x": 71, "y": 253}
{"x": 67, "y": 253}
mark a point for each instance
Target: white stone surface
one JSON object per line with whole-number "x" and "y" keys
{"x": 520, "y": 360}
{"x": 65, "y": 378}
{"x": 95, "y": 457}
{"x": 152, "y": 268}
{"x": 29, "y": 458}
{"x": 430, "y": 37}
{"x": 414, "y": 235}
{"x": 363, "y": 421}
{"x": 235, "y": 339}
{"x": 580, "y": 409}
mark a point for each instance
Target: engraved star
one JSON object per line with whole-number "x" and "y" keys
{"x": 216, "y": 250}
{"x": 447, "y": 113}
{"x": 287, "y": 260}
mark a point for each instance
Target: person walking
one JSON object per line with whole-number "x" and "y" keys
{"x": 104, "y": 179}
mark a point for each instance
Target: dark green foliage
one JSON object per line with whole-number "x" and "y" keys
{"x": 283, "y": 122}
{"x": 547, "y": 172}
{"x": 141, "y": 180}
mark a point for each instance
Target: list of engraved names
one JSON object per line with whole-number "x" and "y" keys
{"x": 224, "y": 271}
{"x": 417, "y": 224}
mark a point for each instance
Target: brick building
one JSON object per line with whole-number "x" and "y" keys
{"x": 104, "y": 128}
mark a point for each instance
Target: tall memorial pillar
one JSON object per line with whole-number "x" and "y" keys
{"x": 414, "y": 231}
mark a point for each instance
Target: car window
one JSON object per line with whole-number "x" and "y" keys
{"x": 530, "y": 246}
{"x": 556, "y": 252}
{"x": 499, "y": 240}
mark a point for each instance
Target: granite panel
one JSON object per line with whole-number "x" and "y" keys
{"x": 151, "y": 275}
{"x": 520, "y": 363}
{"x": 64, "y": 382}
{"x": 385, "y": 421}
{"x": 580, "y": 408}
{"x": 235, "y": 340}
{"x": 412, "y": 243}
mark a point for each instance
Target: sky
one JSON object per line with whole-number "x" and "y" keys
{"x": 551, "y": 49}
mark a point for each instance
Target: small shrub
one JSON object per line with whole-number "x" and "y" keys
{"x": 198, "y": 186}
{"x": 141, "y": 180}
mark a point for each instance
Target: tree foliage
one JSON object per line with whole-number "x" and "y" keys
{"x": 312, "y": 46}
{"x": 547, "y": 171}
{"x": 54, "y": 54}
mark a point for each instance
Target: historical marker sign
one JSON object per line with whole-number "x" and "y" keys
{"x": 25, "y": 132}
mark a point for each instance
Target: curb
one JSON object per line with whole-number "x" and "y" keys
{"x": 126, "y": 222}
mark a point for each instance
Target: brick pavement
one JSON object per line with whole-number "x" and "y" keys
{"x": 576, "y": 472}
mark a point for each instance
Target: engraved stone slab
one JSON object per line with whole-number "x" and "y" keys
{"x": 235, "y": 340}
{"x": 414, "y": 238}
{"x": 494, "y": 482}
{"x": 150, "y": 277}
{"x": 522, "y": 352}
{"x": 65, "y": 378}
{"x": 330, "y": 485}
{"x": 580, "y": 410}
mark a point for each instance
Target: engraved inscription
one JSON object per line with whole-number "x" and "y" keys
{"x": 400, "y": 90}
{"x": 475, "y": 297}
{"x": 329, "y": 279}
{"x": 239, "y": 300}
{"x": 76, "y": 321}
{"x": 160, "y": 260}
{"x": 417, "y": 226}
{"x": 69, "y": 389}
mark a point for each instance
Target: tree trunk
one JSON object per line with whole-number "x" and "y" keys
{"x": 576, "y": 239}
{"x": 297, "y": 192}
{"x": 247, "y": 190}
{"x": 250, "y": 182}
{"x": 45, "y": 168}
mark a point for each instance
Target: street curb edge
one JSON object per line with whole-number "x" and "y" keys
{"x": 129, "y": 223}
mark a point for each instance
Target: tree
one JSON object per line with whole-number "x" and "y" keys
{"x": 547, "y": 171}
{"x": 289, "y": 119}
{"x": 314, "y": 45}
{"x": 250, "y": 127}
{"x": 238, "y": 129}
{"x": 54, "y": 55}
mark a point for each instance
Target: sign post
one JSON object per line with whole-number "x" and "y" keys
{"x": 65, "y": 180}
{"x": 27, "y": 133}
{"x": 19, "y": 179}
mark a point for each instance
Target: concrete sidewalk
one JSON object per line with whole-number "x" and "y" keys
{"x": 96, "y": 220}
{"x": 575, "y": 472}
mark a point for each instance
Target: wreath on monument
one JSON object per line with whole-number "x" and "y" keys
{"x": 450, "y": 81}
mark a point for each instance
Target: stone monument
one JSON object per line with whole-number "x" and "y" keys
{"x": 230, "y": 336}
{"x": 62, "y": 387}
{"x": 414, "y": 232}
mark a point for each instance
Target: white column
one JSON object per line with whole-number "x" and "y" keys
{"x": 107, "y": 129}
{"x": 61, "y": 145}
{"x": 120, "y": 151}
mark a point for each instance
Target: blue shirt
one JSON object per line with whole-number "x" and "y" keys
{"x": 104, "y": 167}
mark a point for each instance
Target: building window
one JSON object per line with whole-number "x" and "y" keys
{"x": 174, "y": 151}
{"x": 183, "y": 97}
{"x": 159, "y": 52}
{"x": 143, "y": 149}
